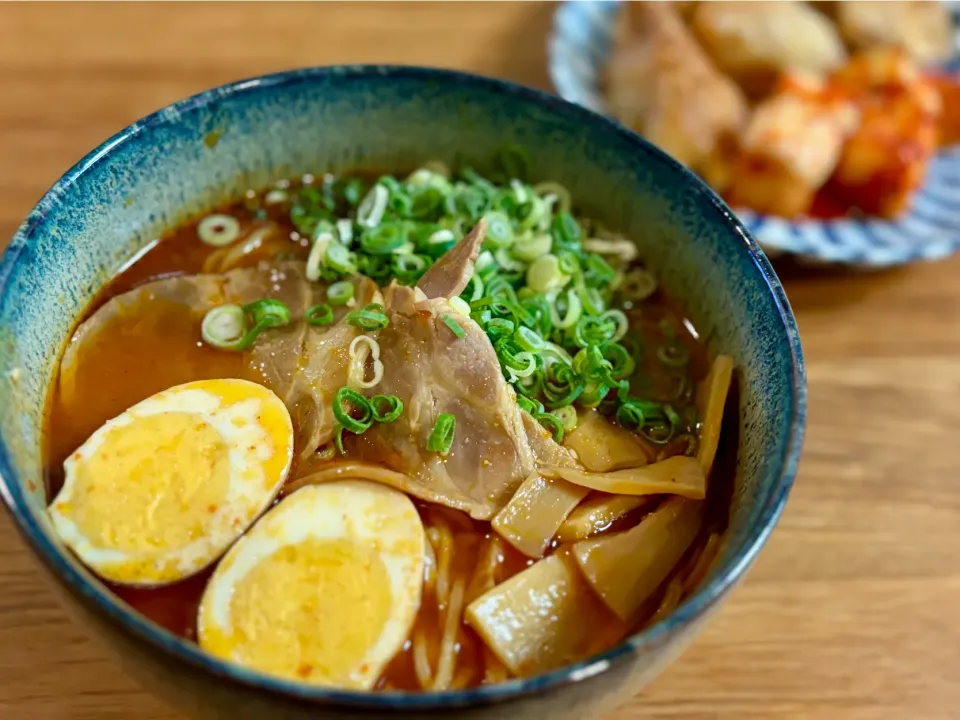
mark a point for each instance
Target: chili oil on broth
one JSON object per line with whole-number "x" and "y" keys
{"x": 141, "y": 354}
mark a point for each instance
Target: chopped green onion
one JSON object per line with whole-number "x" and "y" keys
{"x": 406, "y": 249}
{"x": 351, "y": 191}
{"x": 552, "y": 350}
{"x": 529, "y": 404}
{"x": 424, "y": 201}
{"x": 520, "y": 191}
{"x": 485, "y": 261}
{"x": 590, "y": 330}
{"x": 622, "y": 323}
{"x": 318, "y": 254}
{"x": 590, "y": 364}
{"x": 370, "y": 318}
{"x": 431, "y": 176}
{"x": 439, "y": 242}
{"x": 528, "y": 339}
{"x": 593, "y": 394}
{"x": 340, "y": 293}
{"x": 339, "y": 259}
{"x": 268, "y": 313}
{"x": 408, "y": 267}
{"x": 542, "y": 288}
{"x": 561, "y": 386}
{"x": 507, "y": 262}
{"x": 498, "y": 328}
{"x": 552, "y": 423}
{"x": 672, "y": 416}
{"x": 400, "y": 203}
{"x": 522, "y": 364}
{"x": 569, "y": 262}
{"x": 557, "y": 191}
{"x": 592, "y": 300}
{"x": 567, "y": 416}
{"x": 659, "y": 433}
{"x": 390, "y": 183}
{"x": 630, "y": 415}
{"x": 531, "y": 214}
{"x": 374, "y": 205}
{"x": 338, "y": 439}
{"x": 454, "y": 326}
{"x": 346, "y": 404}
{"x": 466, "y": 200}
{"x": 572, "y": 307}
{"x": 345, "y": 231}
{"x": 530, "y": 248}
{"x": 565, "y": 231}
{"x": 499, "y": 231}
{"x": 376, "y": 267}
{"x": 218, "y": 230}
{"x": 383, "y": 239}
{"x": 597, "y": 272}
{"x": 479, "y": 182}
{"x": 386, "y": 408}
{"x": 441, "y": 437}
{"x": 319, "y": 315}
{"x": 544, "y": 274}
{"x": 622, "y": 363}
{"x": 224, "y": 327}
{"x": 474, "y": 289}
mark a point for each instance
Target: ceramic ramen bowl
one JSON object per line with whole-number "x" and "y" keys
{"x": 195, "y": 154}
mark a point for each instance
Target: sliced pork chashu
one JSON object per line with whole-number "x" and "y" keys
{"x": 433, "y": 372}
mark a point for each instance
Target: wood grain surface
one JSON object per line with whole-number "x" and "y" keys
{"x": 853, "y": 610}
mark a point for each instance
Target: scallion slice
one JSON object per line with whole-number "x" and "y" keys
{"x": 552, "y": 423}
{"x": 530, "y": 248}
{"x": 218, "y": 230}
{"x": 386, "y": 408}
{"x": 544, "y": 274}
{"x": 319, "y": 315}
{"x": 340, "y": 293}
{"x": 373, "y": 206}
{"x": 454, "y": 326}
{"x": 441, "y": 437}
{"x": 370, "y": 318}
{"x": 224, "y": 327}
{"x": 383, "y": 239}
{"x": 352, "y": 410}
{"x": 499, "y": 231}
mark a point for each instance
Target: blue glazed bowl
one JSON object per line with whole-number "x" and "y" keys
{"x": 197, "y": 153}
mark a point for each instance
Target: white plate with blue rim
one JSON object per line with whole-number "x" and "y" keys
{"x": 577, "y": 54}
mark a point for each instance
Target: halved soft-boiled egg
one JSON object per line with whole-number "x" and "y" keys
{"x": 324, "y": 589}
{"x": 162, "y": 490}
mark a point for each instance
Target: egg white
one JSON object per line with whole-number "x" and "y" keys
{"x": 374, "y": 519}
{"x": 255, "y": 428}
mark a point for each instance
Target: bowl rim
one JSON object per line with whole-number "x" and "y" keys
{"x": 83, "y": 585}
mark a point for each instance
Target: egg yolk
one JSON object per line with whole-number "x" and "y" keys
{"x": 151, "y": 485}
{"x": 310, "y": 611}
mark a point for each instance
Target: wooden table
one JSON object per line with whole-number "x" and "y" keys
{"x": 853, "y": 610}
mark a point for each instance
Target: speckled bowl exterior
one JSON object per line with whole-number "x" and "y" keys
{"x": 192, "y": 155}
